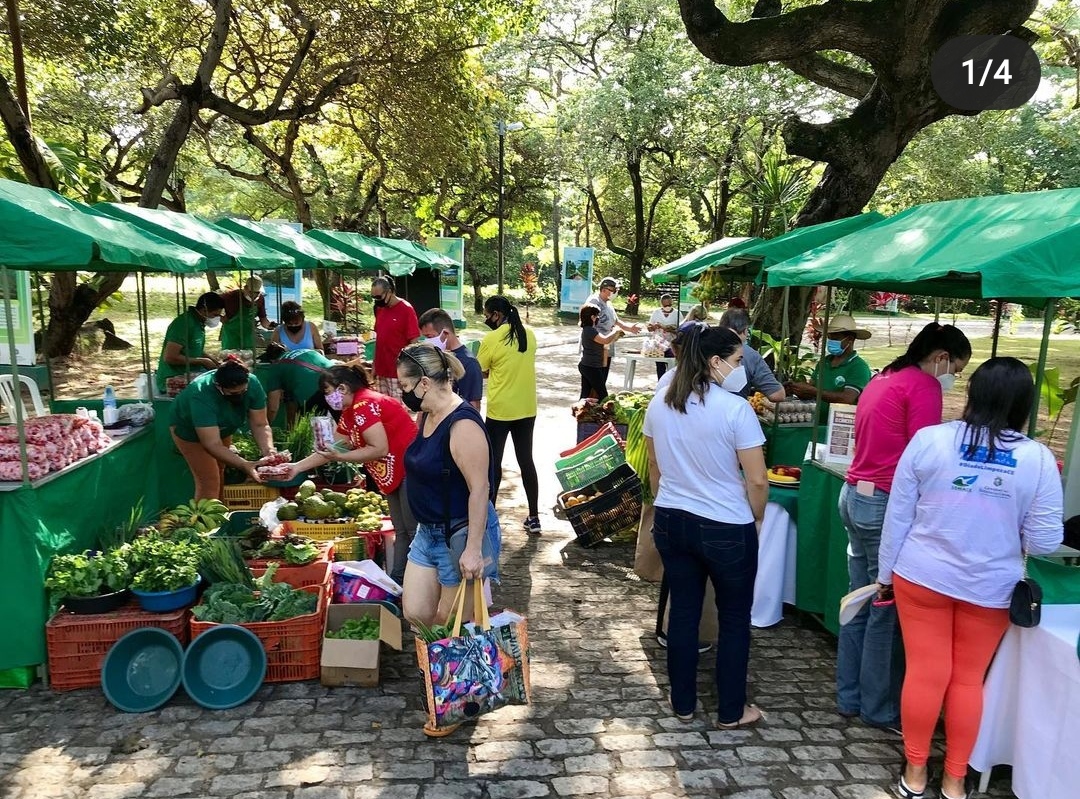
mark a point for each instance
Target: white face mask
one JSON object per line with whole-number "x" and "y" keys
{"x": 735, "y": 380}
{"x": 438, "y": 342}
{"x": 947, "y": 380}
{"x": 213, "y": 322}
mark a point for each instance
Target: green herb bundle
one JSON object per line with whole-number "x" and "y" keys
{"x": 230, "y": 603}
{"x": 365, "y": 629}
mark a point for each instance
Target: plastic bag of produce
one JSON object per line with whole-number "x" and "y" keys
{"x": 268, "y": 513}
{"x": 322, "y": 427}
{"x": 362, "y": 581}
{"x": 136, "y": 413}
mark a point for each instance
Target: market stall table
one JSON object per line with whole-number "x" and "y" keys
{"x": 632, "y": 359}
{"x": 1031, "y": 708}
{"x": 821, "y": 571}
{"x": 63, "y": 512}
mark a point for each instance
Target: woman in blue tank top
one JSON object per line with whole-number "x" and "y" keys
{"x": 295, "y": 332}
{"x": 449, "y": 465}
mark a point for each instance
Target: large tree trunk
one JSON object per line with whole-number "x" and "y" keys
{"x": 22, "y": 139}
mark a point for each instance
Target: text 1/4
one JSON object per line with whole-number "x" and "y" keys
{"x": 1001, "y": 73}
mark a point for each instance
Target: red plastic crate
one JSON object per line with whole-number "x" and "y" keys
{"x": 316, "y": 573}
{"x": 292, "y": 646}
{"x": 326, "y": 555}
{"x": 77, "y": 644}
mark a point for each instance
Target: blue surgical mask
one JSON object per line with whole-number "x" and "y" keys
{"x": 834, "y": 347}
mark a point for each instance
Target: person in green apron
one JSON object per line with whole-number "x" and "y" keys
{"x": 243, "y": 308}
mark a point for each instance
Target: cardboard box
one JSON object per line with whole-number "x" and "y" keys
{"x": 346, "y": 662}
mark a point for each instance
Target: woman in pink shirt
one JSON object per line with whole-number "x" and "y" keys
{"x": 896, "y": 404}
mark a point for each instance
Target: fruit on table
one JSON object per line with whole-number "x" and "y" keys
{"x": 289, "y": 512}
{"x": 785, "y": 474}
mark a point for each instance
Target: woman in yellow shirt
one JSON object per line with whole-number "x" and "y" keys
{"x": 507, "y": 357}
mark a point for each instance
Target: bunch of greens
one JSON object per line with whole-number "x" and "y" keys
{"x": 300, "y": 554}
{"x": 161, "y": 564}
{"x": 222, "y": 561}
{"x": 231, "y": 603}
{"x": 115, "y": 537}
{"x": 246, "y": 448}
{"x": 364, "y": 629}
{"x": 88, "y": 574}
{"x": 626, "y": 402}
{"x": 436, "y": 632}
{"x": 298, "y": 440}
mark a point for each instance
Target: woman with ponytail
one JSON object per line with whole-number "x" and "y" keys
{"x": 699, "y": 433}
{"x": 507, "y": 357}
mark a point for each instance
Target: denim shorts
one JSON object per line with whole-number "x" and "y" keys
{"x": 429, "y": 549}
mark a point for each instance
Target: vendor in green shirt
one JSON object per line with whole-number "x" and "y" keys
{"x": 845, "y": 374}
{"x": 184, "y": 350}
{"x": 293, "y": 376}
{"x": 206, "y": 414}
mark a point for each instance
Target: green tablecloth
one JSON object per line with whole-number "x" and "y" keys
{"x": 786, "y": 446}
{"x": 63, "y": 515}
{"x": 787, "y": 498}
{"x": 821, "y": 575}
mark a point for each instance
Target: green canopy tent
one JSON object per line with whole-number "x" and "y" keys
{"x": 372, "y": 254}
{"x": 309, "y": 252}
{"x": 1016, "y": 247}
{"x": 693, "y": 264}
{"x": 44, "y": 232}
{"x": 436, "y": 260}
{"x": 224, "y": 251}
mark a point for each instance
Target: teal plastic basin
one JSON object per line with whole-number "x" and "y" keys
{"x": 141, "y": 671}
{"x": 224, "y": 667}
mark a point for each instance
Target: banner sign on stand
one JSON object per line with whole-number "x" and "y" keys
{"x": 577, "y": 278}
{"x": 840, "y": 438}
{"x": 22, "y": 316}
{"x": 451, "y": 278}
{"x": 687, "y": 300}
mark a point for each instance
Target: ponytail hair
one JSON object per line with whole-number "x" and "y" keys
{"x": 692, "y": 373}
{"x": 231, "y": 373}
{"x": 933, "y": 337}
{"x": 500, "y": 305}
{"x": 355, "y": 378}
{"x": 424, "y": 360}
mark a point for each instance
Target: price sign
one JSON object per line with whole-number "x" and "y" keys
{"x": 980, "y": 73}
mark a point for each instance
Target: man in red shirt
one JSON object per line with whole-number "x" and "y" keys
{"x": 396, "y": 327}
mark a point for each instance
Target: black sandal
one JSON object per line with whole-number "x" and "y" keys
{"x": 902, "y": 790}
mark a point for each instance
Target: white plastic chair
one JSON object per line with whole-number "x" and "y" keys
{"x": 8, "y": 397}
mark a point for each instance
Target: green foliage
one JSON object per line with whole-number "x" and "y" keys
{"x": 792, "y": 363}
{"x": 74, "y": 575}
{"x": 230, "y": 603}
{"x": 362, "y": 629}
{"x": 1054, "y": 396}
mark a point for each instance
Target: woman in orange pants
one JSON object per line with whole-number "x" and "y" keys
{"x": 968, "y": 498}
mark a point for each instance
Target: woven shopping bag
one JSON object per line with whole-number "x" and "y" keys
{"x": 468, "y": 675}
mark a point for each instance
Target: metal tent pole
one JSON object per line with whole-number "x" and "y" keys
{"x": 937, "y": 310}
{"x": 821, "y": 374}
{"x": 48, "y": 366}
{"x": 1040, "y": 368}
{"x": 144, "y": 332}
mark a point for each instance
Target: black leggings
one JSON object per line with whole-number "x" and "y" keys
{"x": 593, "y": 378}
{"x": 521, "y": 430}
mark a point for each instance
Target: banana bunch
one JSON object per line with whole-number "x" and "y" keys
{"x": 202, "y": 515}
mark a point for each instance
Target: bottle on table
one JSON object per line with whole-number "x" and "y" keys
{"x": 109, "y": 413}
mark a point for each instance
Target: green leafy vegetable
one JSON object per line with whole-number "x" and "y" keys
{"x": 231, "y": 603}
{"x": 363, "y": 629}
{"x": 74, "y": 575}
{"x": 300, "y": 554}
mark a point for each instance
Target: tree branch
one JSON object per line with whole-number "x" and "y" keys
{"x": 831, "y": 75}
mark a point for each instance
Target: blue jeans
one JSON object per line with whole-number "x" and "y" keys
{"x": 695, "y": 549}
{"x": 870, "y": 657}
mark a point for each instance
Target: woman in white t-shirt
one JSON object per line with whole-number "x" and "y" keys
{"x": 699, "y": 433}
{"x": 968, "y": 498}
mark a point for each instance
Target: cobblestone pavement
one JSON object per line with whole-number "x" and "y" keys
{"x": 600, "y": 724}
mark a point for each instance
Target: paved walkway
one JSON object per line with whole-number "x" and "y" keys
{"x": 600, "y": 725}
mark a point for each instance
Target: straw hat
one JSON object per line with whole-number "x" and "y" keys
{"x": 845, "y": 323}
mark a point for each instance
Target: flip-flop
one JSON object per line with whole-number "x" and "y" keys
{"x": 685, "y": 718}
{"x": 736, "y": 725}
{"x": 441, "y": 732}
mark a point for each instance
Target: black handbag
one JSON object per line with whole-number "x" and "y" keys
{"x": 1025, "y": 606}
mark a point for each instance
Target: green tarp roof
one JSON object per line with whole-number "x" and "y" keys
{"x": 223, "y": 250}
{"x": 310, "y": 253}
{"x": 45, "y": 232}
{"x": 370, "y": 252}
{"x": 797, "y": 241}
{"x": 436, "y": 260}
{"x": 693, "y": 264}
{"x": 1021, "y": 247}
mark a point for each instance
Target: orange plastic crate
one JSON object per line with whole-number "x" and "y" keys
{"x": 77, "y": 644}
{"x": 248, "y": 496}
{"x": 326, "y": 555}
{"x": 315, "y": 573}
{"x": 292, "y": 646}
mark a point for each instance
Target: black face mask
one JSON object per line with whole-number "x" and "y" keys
{"x": 412, "y": 402}
{"x": 236, "y": 399}
{"x": 294, "y": 328}
{"x": 378, "y": 302}
{"x": 492, "y": 322}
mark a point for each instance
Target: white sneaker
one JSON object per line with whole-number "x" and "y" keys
{"x": 662, "y": 640}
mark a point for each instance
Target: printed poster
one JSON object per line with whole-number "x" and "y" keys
{"x": 840, "y": 435}
{"x": 577, "y": 278}
{"x": 451, "y": 278}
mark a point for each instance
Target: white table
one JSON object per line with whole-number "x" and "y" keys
{"x": 775, "y": 583}
{"x": 632, "y": 359}
{"x": 1031, "y": 708}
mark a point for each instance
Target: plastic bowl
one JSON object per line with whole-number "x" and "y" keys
{"x": 102, "y": 603}
{"x": 141, "y": 671}
{"x": 165, "y": 601}
{"x": 224, "y": 667}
